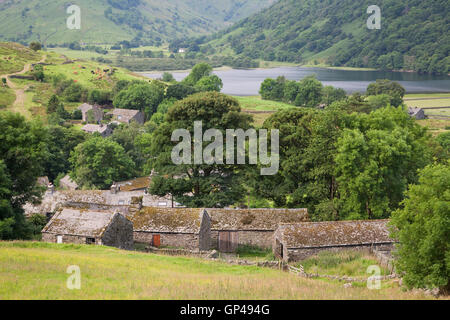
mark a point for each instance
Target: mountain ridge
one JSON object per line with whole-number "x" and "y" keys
{"x": 414, "y": 35}
{"x": 111, "y": 21}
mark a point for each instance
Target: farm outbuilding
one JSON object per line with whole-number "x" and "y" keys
{"x": 231, "y": 228}
{"x": 80, "y": 226}
{"x": 172, "y": 227}
{"x": 127, "y": 116}
{"x": 298, "y": 241}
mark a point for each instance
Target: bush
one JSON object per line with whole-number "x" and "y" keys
{"x": 37, "y": 222}
{"x": 74, "y": 93}
{"x": 422, "y": 228}
{"x": 35, "y": 46}
{"x": 167, "y": 77}
{"x": 179, "y": 91}
{"x": 77, "y": 115}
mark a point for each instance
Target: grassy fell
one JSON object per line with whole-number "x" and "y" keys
{"x": 14, "y": 56}
{"x": 35, "y": 270}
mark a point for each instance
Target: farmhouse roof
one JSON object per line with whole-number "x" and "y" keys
{"x": 134, "y": 184}
{"x": 85, "y": 107}
{"x": 168, "y": 220}
{"x": 127, "y": 114}
{"x": 334, "y": 233}
{"x": 91, "y": 128}
{"x": 254, "y": 219}
{"x": 67, "y": 182}
{"x": 79, "y": 222}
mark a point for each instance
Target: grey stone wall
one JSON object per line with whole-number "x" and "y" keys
{"x": 175, "y": 240}
{"x": 261, "y": 239}
{"x": 205, "y": 233}
{"x": 139, "y": 118}
{"x": 291, "y": 255}
{"x": 119, "y": 233}
{"x": 51, "y": 237}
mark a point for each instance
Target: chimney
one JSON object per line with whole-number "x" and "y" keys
{"x": 135, "y": 204}
{"x": 114, "y": 189}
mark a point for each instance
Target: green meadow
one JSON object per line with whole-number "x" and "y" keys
{"x": 34, "y": 270}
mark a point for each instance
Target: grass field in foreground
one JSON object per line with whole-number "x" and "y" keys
{"x": 33, "y": 270}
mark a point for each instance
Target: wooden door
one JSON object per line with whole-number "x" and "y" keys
{"x": 228, "y": 241}
{"x": 156, "y": 240}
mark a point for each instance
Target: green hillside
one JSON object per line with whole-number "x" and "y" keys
{"x": 38, "y": 271}
{"x": 110, "y": 21}
{"x": 414, "y": 34}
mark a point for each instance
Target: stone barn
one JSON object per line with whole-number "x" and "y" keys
{"x": 172, "y": 227}
{"x": 231, "y": 228}
{"x": 298, "y": 241}
{"x": 89, "y": 227}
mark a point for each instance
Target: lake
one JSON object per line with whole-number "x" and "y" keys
{"x": 240, "y": 82}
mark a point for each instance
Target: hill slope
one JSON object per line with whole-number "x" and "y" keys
{"x": 414, "y": 34}
{"x": 109, "y": 21}
{"x": 38, "y": 271}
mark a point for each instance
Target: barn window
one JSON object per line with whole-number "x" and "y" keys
{"x": 162, "y": 204}
{"x": 90, "y": 240}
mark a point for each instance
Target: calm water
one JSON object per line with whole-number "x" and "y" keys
{"x": 247, "y": 82}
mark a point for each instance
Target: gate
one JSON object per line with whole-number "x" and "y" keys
{"x": 228, "y": 241}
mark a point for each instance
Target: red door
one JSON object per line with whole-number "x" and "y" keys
{"x": 156, "y": 240}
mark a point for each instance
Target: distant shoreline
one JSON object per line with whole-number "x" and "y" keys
{"x": 281, "y": 65}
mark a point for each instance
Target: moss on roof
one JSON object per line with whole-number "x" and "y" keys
{"x": 135, "y": 184}
{"x": 79, "y": 222}
{"x": 334, "y": 233}
{"x": 254, "y": 219}
{"x": 173, "y": 220}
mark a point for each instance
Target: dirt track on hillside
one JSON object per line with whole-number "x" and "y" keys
{"x": 19, "y": 103}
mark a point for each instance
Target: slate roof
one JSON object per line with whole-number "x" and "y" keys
{"x": 91, "y": 128}
{"x": 334, "y": 233}
{"x": 127, "y": 114}
{"x": 67, "y": 182}
{"x": 167, "y": 220}
{"x": 79, "y": 222}
{"x": 254, "y": 219}
{"x": 85, "y": 107}
{"x": 134, "y": 184}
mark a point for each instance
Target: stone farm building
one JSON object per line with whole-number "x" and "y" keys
{"x": 231, "y": 228}
{"x": 172, "y": 227}
{"x": 298, "y": 241}
{"x": 71, "y": 225}
{"x": 417, "y": 113}
{"x": 137, "y": 184}
{"x": 95, "y": 110}
{"x": 127, "y": 116}
{"x": 105, "y": 130}
{"x": 52, "y": 201}
{"x": 66, "y": 183}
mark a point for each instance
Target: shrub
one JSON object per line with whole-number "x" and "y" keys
{"x": 422, "y": 228}
{"x": 35, "y": 46}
